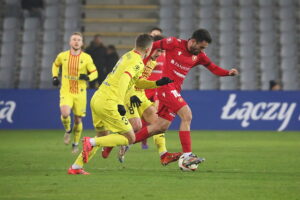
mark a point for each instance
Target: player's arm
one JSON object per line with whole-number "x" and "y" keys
{"x": 215, "y": 69}
{"x": 146, "y": 84}
{"x": 55, "y": 70}
{"x": 92, "y": 71}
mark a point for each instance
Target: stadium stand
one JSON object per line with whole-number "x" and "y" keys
{"x": 260, "y": 37}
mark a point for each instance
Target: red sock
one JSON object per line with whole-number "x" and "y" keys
{"x": 185, "y": 139}
{"x": 141, "y": 134}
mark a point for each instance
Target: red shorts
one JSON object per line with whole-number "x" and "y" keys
{"x": 151, "y": 94}
{"x": 170, "y": 101}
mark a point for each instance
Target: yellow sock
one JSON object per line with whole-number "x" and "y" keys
{"x": 79, "y": 160}
{"x": 111, "y": 140}
{"x": 66, "y": 122}
{"x": 160, "y": 142}
{"x": 77, "y": 130}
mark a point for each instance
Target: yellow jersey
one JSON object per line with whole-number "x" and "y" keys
{"x": 125, "y": 74}
{"x": 71, "y": 67}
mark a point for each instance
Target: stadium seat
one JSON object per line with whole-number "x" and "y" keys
{"x": 228, "y": 25}
{"x": 268, "y": 63}
{"x": 266, "y": 13}
{"x": 27, "y": 78}
{"x": 248, "y": 51}
{"x": 28, "y": 62}
{"x": 51, "y": 24}
{"x": 187, "y": 24}
{"x": 49, "y": 49}
{"x": 266, "y": 3}
{"x": 72, "y": 2}
{"x": 228, "y": 50}
{"x": 289, "y": 25}
{"x": 73, "y": 11}
{"x": 52, "y": 12}
{"x": 287, "y": 38}
{"x": 269, "y": 75}
{"x": 209, "y": 24}
{"x": 207, "y": 12}
{"x": 227, "y": 3}
{"x": 251, "y": 85}
{"x": 28, "y": 49}
{"x": 288, "y": 63}
{"x": 247, "y": 37}
{"x": 247, "y": 3}
{"x": 267, "y": 25}
{"x": 228, "y": 83}
{"x": 269, "y": 50}
{"x": 287, "y": 3}
{"x": 187, "y": 11}
{"x": 10, "y": 23}
{"x": 166, "y": 2}
{"x": 51, "y": 2}
{"x": 30, "y": 36}
{"x": 227, "y": 38}
{"x": 167, "y": 12}
{"x": 227, "y": 12}
{"x": 9, "y": 36}
{"x": 6, "y": 77}
{"x": 50, "y": 36}
{"x": 289, "y": 50}
{"x": 31, "y": 23}
{"x": 247, "y": 63}
{"x": 247, "y": 25}
{"x": 267, "y": 38}
{"x": 286, "y": 13}
{"x": 291, "y": 85}
{"x": 71, "y": 24}
{"x": 247, "y": 13}
{"x": 8, "y": 48}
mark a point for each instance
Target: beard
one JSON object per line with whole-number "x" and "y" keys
{"x": 194, "y": 51}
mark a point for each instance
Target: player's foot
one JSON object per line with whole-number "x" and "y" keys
{"x": 121, "y": 154}
{"x": 106, "y": 151}
{"x": 86, "y": 149}
{"x": 67, "y": 137}
{"x": 75, "y": 148}
{"x": 77, "y": 171}
{"x": 167, "y": 158}
{"x": 144, "y": 146}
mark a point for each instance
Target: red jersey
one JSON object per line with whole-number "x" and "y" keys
{"x": 179, "y": 61}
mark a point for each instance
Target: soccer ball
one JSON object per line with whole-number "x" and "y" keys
{"x": 184, "y": 161}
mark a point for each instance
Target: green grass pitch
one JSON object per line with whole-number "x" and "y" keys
{"x": 239, "y": 165}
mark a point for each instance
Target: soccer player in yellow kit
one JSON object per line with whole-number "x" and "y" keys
{"x": 107, "y": 104}
{"x": 139, "y": 107}
{"x": 77, "y": 68}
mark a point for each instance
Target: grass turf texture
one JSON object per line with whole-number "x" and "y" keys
{"x": 239, "y": 165}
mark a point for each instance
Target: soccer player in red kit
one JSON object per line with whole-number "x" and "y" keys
{"x": 181, "y": 57}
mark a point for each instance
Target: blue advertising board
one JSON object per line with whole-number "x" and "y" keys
{"x": 212, "y": 110}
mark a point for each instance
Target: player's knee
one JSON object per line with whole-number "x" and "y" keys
{"x": 77, "y": 120}
{"x": 187, "y": 117}
{"x": 65, "y": 114}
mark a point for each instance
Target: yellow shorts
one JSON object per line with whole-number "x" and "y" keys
{"x": 133, "y": 112}
{"x": 106, "y": 116}
{"x": 77, "y": 103}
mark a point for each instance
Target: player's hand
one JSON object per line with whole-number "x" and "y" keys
{"x": 55, "y": 81}
{"x": 121, "y": 110}
{"x": 84, "y": 77}
{"x": 135, "y": 101}
{"x": 233, "y": 72}
{"x": 164, "y": 81}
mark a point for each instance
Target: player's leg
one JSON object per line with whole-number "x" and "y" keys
{"x": 185, "y": 115}
{"x": 77, "y": 167}
{"x": 79, "y": 109}
{"x": 159, "y": 139}
{"x": 66, "y": 103}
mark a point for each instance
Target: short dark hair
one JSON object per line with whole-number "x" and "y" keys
{"x": 156, "y": 29}
{"x": 158, "y": 37}
{"x": 143, "y": 41}
{"x": 202, "y": 35}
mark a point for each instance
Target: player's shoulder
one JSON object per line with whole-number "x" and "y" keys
{"x": 64, "y": 53}
{"x": 86, "y": 55}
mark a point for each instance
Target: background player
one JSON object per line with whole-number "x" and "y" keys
{"x": 111, "y": 93}
{"x": 181, "y": 56}
{"x": 151, "y": 93}
{"x": 77, "y": 68}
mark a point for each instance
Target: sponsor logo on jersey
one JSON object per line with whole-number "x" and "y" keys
{"x": 248, "y": 112}
{"x": 7, "y": 110}
{"x": 194, "y": 58}
{"x": 169, "y": 40}
{"x": 179, "y": 53}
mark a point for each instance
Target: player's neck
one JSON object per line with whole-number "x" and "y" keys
{"x": 140, "y": 52}
{"x": 75, "y": 52}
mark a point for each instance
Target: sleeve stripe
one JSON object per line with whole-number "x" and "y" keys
{"x": 93, "y": 71}
{"x": 126, "y": 72}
